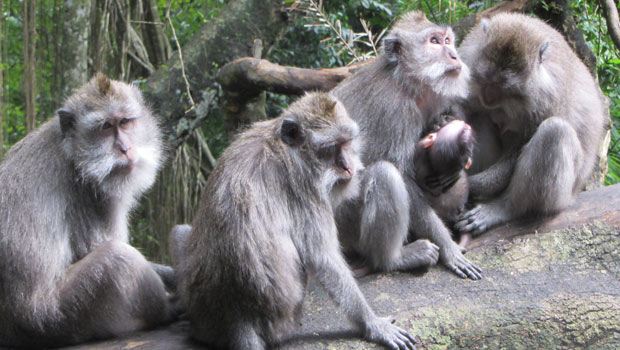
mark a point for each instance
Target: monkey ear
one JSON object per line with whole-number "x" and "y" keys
{"x": 291, "y": 133}
{"x": 67, "y": 121}
{"x": 391, "y": 48}
{"x": 542, "y": 52}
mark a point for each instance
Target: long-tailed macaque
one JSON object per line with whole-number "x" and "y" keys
{"x": 266, "y": 224}
{"x": 536, "y": 101}
{"x": 393, "y": 99}
{"x": 445, "y": 154}
{"x": 67, "y": 273}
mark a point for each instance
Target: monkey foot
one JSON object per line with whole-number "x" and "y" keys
{"x": 478, "y": 220}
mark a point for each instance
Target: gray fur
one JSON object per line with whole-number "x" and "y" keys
{"x": 543, "y": 117}
{"x": 393, "y": 99}
{"x": 67, "y": 273}
{"x": 266, "y": 224}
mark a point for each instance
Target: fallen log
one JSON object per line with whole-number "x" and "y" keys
{"x": 552, "y": 284}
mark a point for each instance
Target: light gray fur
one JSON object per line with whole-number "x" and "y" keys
{"x": 67, "y": 272}
{"x": 393, "y": 99}
{"x": 542, "y": 115}
{"x": 266, "y": 224}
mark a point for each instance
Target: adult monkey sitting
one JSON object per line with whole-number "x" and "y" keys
{"x": 393, "y": 99}
{"x": 67, "y": 273}
{"x": 535, "y": 102}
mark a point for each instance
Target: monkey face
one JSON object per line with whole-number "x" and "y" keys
{"x": 110, "y": 135}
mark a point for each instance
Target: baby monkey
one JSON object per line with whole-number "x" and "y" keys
{"x": 266, "y": 224}
{"x": 441, "y": 158}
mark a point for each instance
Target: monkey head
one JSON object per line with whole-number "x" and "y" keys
{"x": 449, "y": 149}
{"x": 111, "y": 137}
{"x": 425, "y": 54}
{"x": 509, "y": 56}
{"x": 318, "y": 129}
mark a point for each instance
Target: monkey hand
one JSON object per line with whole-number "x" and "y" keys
{"x": 452, "y": 257}
{"x": 382, "y": 331}
{"x": 438, "y": 184}
{"x": 479, "y": 219}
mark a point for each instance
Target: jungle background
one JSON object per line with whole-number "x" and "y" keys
{"x": 174, "y": 50}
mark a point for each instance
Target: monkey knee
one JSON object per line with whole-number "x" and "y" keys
{"x": 385, "y": 183}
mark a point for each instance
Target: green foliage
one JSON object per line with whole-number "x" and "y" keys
{"x": 188, "y": 16}
{"x": 592, "y": 22}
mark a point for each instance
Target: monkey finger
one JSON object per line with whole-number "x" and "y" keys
{"x": 457, "y": 271}
{"x": 470, "y": 213}
{"x": 471, "y": 273}
{"x": 409, "y": 337}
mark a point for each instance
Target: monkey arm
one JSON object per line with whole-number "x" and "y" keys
{"x": 428, "y": 225}
{"x": 334, "y": 274}
{"x": 441, "y": 183}
{"x": 490, "y": 182}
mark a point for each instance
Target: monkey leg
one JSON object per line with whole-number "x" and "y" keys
{"x": 245, "y": 337}
{"x": 111, "y": 291}
{"x": 542, "y": 183}
{"x": 385, "y": 223}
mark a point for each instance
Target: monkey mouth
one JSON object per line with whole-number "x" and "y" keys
{"x": 453, "y": 70}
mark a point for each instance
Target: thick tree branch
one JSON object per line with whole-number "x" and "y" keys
{"x": 552, "y": 284}
{"x": 613, "y": 23}
{"x": 248, "y": 76}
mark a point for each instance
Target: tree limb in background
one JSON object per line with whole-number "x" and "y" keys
{"x": 223, "y": 39}
{"x": 613, "y": 23}
{"x": 1, "y": 85}
{"x": 249, "y": 76}
{"x": 180, "y": 51}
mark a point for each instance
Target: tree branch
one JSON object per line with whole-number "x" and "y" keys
{"x": 249, "y": 76}
{"x": 613, "y": 23}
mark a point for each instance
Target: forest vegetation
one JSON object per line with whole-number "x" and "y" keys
{"x": 51, "y": 47}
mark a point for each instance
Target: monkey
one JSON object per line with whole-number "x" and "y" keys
{"x": 393, "y": 99}
{"x": 543, "y": 115}
{"x": 67, "y": 272}
{"x": 266, "y": 224}
{"x": 446, "y": 152}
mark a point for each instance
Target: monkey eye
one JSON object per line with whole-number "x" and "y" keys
{"x": 106, "y": 126}
{"x": 447, "y": 41}
{"x": 125, "y": 121}
{"x": 434, "y": 40}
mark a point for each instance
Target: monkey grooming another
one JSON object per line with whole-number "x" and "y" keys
{"x": 537, "y": 102}
{"x": 67, "y": 272}
{"x": 266, "y": 224}
{"x": 393, "y": 99}
{"x": 446, "y": 153}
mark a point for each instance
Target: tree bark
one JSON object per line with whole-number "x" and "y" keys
{"x": 75, "y": 33}
{"x": 552, "y": 284}
{"x": 29, "y": 63}
{"x": 559, "y": 15}
{"x": 220, "y": 41}
{"x": 610, "y": 10}
{"x": 1, "y": 84}
{"x": 153, "y": 34}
